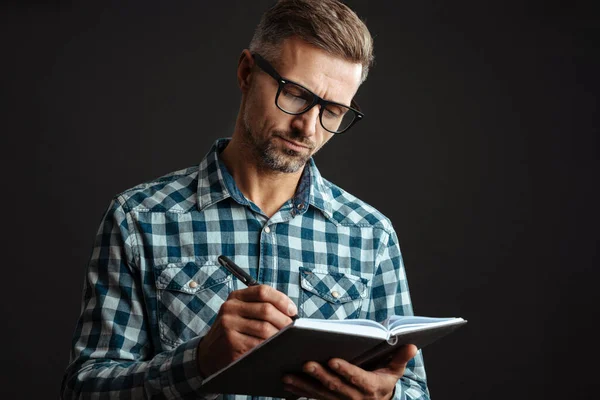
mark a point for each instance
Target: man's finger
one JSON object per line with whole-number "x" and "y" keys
{"x": 398, "y": 361}
{"x": 303, "y": 387}
{"x": 262, "y": 320}
{"x": 335, "y": 381}
{"x": 235, "y": 314}
{"x": 355, "y": 376}
{"x": 266, "y": 294}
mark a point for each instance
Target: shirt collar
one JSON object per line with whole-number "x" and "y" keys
{"x": 215, "y": 183}
{"x": 320, "y": 195}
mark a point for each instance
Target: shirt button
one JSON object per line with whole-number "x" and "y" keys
{"x": 267, "y": 229}
{"x": 335, "y": 294}
{"x": 300, "y": 206}
{"x": 193, "y": 284}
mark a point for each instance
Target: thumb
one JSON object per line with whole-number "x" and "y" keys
{"x": 403, "y": 355}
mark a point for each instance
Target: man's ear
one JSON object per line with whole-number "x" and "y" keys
{"x": 244, "y": 70}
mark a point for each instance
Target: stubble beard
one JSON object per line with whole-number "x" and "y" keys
{"x": 271, "y": 157}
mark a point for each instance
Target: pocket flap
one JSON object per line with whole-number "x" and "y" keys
{"x": 190, "y": 277}
{"x": 335, "y": 287}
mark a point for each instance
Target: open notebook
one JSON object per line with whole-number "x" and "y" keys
{"x": 363, "y": 342}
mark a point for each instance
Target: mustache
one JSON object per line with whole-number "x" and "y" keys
{"x": 296, "y": 137}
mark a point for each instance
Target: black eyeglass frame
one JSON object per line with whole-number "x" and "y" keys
{"x": 270, "y": 70}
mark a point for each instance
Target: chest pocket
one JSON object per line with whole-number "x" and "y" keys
{"x": 331, "y": 295}
{"x": 189, "y": 296}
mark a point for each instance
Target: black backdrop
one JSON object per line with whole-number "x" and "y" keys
{"x": 480, "y": 142}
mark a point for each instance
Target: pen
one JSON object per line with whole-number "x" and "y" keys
{"x": 241, "y": 274}
{"x": 237, "y": 271}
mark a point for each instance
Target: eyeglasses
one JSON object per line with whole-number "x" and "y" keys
{"x": 293, "y": 98}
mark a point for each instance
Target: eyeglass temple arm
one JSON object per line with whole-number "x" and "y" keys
{"x": 264, "y": 64}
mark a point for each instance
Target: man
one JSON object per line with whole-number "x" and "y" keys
{"x": 159, "y": 312}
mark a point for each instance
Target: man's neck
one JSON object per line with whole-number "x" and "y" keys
{"x": 268, "y": 189}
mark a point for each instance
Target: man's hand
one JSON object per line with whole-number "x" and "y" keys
{"x": 343, "y": 380}
{"x": 247, "y": 318}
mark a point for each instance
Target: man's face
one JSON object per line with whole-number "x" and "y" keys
{"x": 282, "y": 142}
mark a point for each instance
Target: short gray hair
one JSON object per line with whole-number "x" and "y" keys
{"x": 328, "y": 24}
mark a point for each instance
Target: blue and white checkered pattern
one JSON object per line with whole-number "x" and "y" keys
{"x": 154, "y": 285}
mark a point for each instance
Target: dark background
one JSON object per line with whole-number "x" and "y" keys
{"x": 480, "y": 142}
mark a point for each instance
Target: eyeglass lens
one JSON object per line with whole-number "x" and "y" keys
{"x": 295, "y": 100}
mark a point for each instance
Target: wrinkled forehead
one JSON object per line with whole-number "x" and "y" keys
{"x": 329, "y": 76}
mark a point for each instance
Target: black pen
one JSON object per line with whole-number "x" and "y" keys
{"x": 237, "y": 271}
{"x": 241, "y": 274}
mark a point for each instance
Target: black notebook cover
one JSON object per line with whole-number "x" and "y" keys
{"x": 259, "y": 372}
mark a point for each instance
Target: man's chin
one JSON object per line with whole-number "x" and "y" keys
{"x": 288, "y": 161}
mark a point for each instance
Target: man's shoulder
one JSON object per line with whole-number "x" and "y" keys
{"x": 172, "y": 192}
{"x": 347, "y": 209}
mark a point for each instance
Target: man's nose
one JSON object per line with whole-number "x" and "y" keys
{"x": 308, "y": 122}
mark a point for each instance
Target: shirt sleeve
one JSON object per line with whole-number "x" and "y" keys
{"x": 112, "y": 354}
{"x": 390, "y": 296}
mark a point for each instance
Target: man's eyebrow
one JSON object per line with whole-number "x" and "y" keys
{"x": 313, "y": 92}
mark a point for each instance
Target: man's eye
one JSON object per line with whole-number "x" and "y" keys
{"x": 292, "y": 92}
{"x": 289, "y": 94}
{"x": 334, "y": 112}
{"x": 295, "y": 100}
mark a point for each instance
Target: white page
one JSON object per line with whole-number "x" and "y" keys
{"x": 405, "y": 324}
{"x": 358, "y": 327}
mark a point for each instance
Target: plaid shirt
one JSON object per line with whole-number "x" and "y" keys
{"x": 154, "y": 286}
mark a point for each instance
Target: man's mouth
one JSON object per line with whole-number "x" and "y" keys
{"x": 295, "y": 145}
